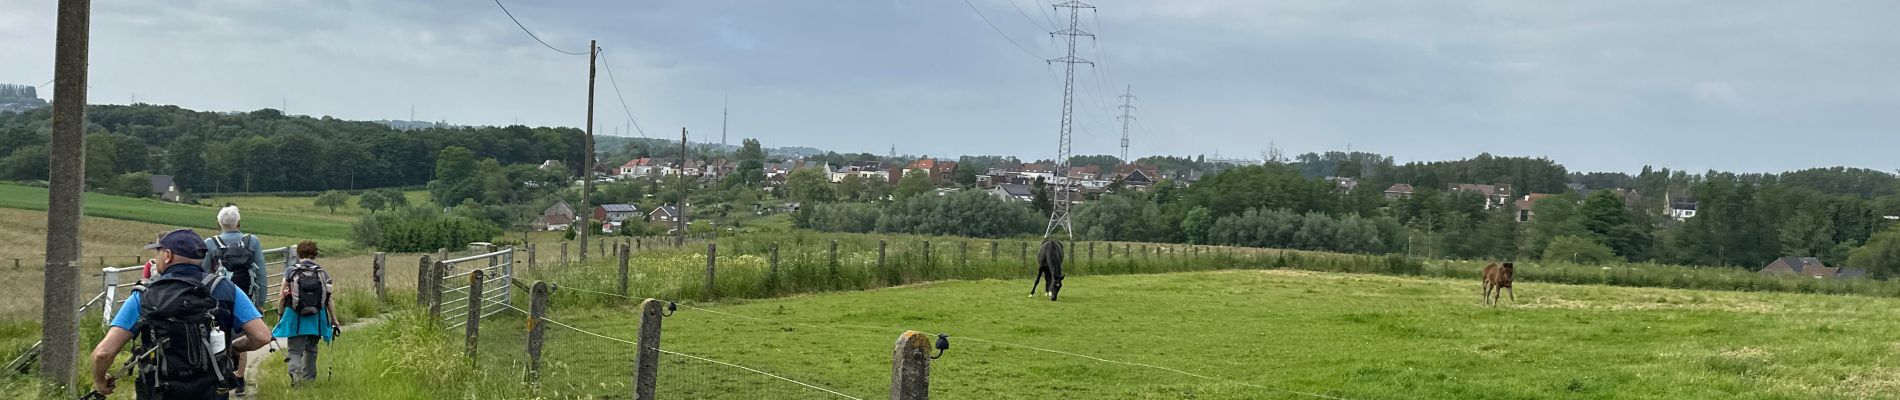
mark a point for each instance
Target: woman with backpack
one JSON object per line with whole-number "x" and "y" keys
{"x": 307, "y": 318}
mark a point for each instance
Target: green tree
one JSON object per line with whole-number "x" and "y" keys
{"x": 915, "y": 183}
{"x": 333, "y": 199}
{"x": 751, "y": 163}
{"x": 372, "y": 200}
{"x": 26, "y": 163}
{"x": 851, "y": 187}
{"x": 1196, "y": 224}
{"x": 1578, "y": 249}
{"x": 808, "y": 186}
{"x": 1881, "y": 255}
{"x": 1610, "y": 223}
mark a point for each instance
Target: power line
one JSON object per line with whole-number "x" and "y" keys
{"x": 524, "y": 28}
{"x": 1032, "y": 20}
{"x": 623, "y": 99}
{"x": 999, "y": 31}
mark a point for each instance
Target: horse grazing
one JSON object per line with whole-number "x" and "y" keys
{"x": 1050, "y": 260}
{"x": 1497, "y": 279}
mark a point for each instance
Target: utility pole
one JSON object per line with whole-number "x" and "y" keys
{"x": 587, "y": 156}
{"x": 1059, "y": 218}
{"x": 59, "y": 325}
{"x": 1127, "y": 107}
{"x": 679, "y": 221}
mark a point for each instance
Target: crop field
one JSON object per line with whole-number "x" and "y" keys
{"x": 1246, "y": 334}
{"x": 264, "y": 222}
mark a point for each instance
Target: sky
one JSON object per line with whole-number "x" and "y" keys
{"x": 1610, "y": 85}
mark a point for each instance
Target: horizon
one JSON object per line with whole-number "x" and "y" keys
{"x": 1687, "y": 86}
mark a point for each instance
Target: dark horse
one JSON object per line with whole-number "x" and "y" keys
{"x": 1050, "y": 261}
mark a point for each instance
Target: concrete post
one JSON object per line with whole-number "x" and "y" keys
{"x": 624, "y": 252}
{"x": 910, "y": 367}
{"x": 712, "y": 259}
{"x": 646, "y": 375}
{"x": 563, "y": 258}
{"x": 537, "y": 331}
{"x": 436, "y": 274}
{"x": 443, "y": 254}
{"x": 474, "y": 325}
{"x": 424, "y": 270}
{"x": 376, "y": 276}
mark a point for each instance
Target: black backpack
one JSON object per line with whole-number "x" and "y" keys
{"x": 235, "y": 258}
{"x": 308, "y": 288}
{"x": 177, "y": 315}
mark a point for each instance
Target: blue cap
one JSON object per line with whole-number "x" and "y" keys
{"x": 183, "y": 242}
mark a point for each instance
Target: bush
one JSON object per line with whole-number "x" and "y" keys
{"x": 1578, "y": 250}
{"x": 420, "y": 229}
{"x": 1310, "y": 231}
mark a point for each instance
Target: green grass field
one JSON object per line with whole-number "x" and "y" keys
{"x": 306, "y": 206}
{"x": 1341, "y": 335}
{"x": 265, "y": 222}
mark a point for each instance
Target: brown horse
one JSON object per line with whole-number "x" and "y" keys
{"x": 1497, "y": 279}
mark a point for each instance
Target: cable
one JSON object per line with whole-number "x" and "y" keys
{"x": 758, "y": 372}
{"x": 524, "y": 28}
{"x": 1032, "y": 20}
{"x": 558, "y": 323}
{"x": 999, "y": 31}
{"x": 623, "y": 100}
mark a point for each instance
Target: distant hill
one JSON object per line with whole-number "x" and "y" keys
{"x": 19, "y": 98}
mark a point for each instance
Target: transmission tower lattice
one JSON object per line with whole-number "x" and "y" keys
{"x": 1059, "y": 216}
{"x": 1126, "y": 117}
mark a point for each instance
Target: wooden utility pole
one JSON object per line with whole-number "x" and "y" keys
{"x": 679, "y": 221}
{"x": 59, "y": 325}
{"x": 587, "y": 157}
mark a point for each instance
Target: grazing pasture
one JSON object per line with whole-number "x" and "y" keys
{"x": 263, "y": 222}
{"x": 1251, "y": 334}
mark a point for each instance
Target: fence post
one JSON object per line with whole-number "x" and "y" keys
{"x": 1072, "y": 249}
{"x": 880, "y": 256}
{"x": 774, "y": 278}
{"x": 473, "y": 327}
{"x": 508, "y": 276}
{"x": 436, "y": 273}
{"x": 102, "y": 262}
{"x": 1091, "y": 251}
{"x": 712, "y": 258}
{"x": 646, "y": 373}
{"x": 376, "y": 275}
{"x": 537, "y": 311}
{"x": 910, "y": 367}
{"x": 638, "y": 243}
{"x": 600, "y": 245}
{"x": 624, "y": 252}
{"x": 963, "y": 254}
{"x": 444, "y": 254}
{"x": 928, "y": 260}
{"x": 531, "y": 258}
{"x": 423, "y": 273}
{"x": 563, "y": 254}
{"x": 992, "y": 251}
{"x": 112, "y": 292}
{"x": 1025, "y": 254}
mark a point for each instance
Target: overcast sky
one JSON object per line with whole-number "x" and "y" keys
{"x": 1596, "y": 85}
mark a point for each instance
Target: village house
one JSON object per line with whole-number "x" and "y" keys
{"x": 1135, "y": 176}
{"x": 1013, "y": 192}
{"x": 1494, "y": 195}
{"x": 614, "y": 216}
{"x": 1810, "y": 267}
{"x": 940, "y": 171}
{"x": 557, "y": 217}
{"x": 166, "y": 188}
{"x": 644, "y": 168}
{"x": 667, "y": 217}
{"x": 1527, "y": 206}
{"x": 1398, "y": 191}
{"x": 1085, "y": 173}
{"x": 1679, "y": 206}
{"x": 1343, "y": 184}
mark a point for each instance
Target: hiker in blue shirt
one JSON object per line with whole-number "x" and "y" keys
{"x": 172, "y": 349}
{"x": 307, "y": 318}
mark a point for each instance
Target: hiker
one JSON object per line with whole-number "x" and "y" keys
{"x": 307, "y": 315}
{"x": 240, "y": 258}
{"x": 189, "y": 323}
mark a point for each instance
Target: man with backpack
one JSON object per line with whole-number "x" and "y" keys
{"x": 240, "y": 257}
{"x": 308, "y": 316}
{"x": 186, "y": 320}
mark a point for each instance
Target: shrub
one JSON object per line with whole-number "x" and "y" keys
{"x": 420, "y": 229}
{"x": 1578, "y": 250}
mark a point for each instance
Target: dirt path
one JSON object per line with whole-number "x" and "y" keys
{"x": 256, "y": 357}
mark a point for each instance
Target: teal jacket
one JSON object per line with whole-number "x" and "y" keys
{"x": 292, "y": 325}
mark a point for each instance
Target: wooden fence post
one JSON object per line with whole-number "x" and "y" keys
{"x": 773, "y": 279}
{"x": 910, "y": 367}
{"x": 537, "y": 312}
{"x": 880, "y": 258}
{"x": 625, "y": 252}
{"x": 1025, "y": 254}
{"x": 928, "y": 260}
{"x": 531, "y": 258}
{"x": 646, "y": 375}
{"x": 712, "y": 256}
{"x": 474, "y": 325}
{"x": 1091, "y": 251}
{"x": 376, "y": 276}
{"x": 833, "y": 261}
{"x": 564, "y": 254}
{"x": 992, "y": 251}
{"x": 963, "y": 254}
{"x": 423, "y": 272}
{"x": 1072, "y": 251}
